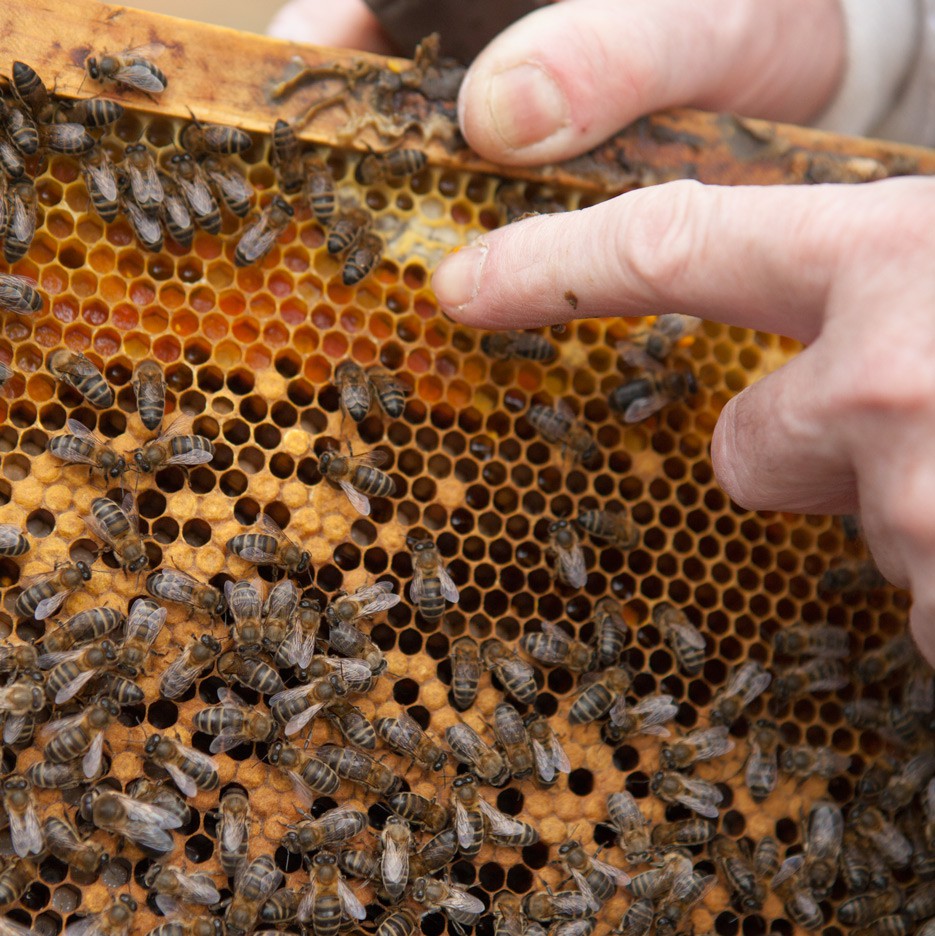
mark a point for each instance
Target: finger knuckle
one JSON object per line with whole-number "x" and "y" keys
{"x": 906, "y": 507}
{"x": 661, "y": 239}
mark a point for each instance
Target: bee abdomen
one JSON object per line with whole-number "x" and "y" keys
{"x": 374, "y": 482}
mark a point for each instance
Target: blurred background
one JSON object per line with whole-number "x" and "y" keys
{"x": 237, "y": 14}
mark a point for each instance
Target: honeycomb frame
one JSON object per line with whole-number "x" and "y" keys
{"x": 249, "y": 354}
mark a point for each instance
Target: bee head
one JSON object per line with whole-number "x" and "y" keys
{"x": 324, "y": 461}
{"x": 118, "y": 467}
{"x": 304, "y": 561}
{"x": 84, "y": 569}
{"x": 141, "y": 463}
{"x": 94, "y": 69}
{"x": 152, "y": 742}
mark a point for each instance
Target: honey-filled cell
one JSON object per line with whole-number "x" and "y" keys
{"x": 498, "y": 453}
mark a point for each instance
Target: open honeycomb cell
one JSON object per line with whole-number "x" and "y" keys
{"x": 249, "y": 354}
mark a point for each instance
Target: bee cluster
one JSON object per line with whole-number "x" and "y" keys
{"x": 690, "y": 722}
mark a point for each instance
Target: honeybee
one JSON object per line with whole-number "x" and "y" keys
{"x": 130, "y": 68}
{"x": 328, "y": 899}
{"x": 143, "y": 178}
{"x": 245, "y": 606}
{"x": 95, "y": 112}
{"x": 20, "y": 703}
{"x": 762, "y": 770}
{"x": 546, "y": 906}
{"x": 277, "y": 612}
{"x": 198, "y": 138}
{"x": 18, "y": 658}
{"x": 149, "y": 386}
{"x": 158, "y": 794}
{"x": 746, "y": 683}
{"x": 820, "y": 640}
{"x": 77, "y": 371}
{"x": 358, "y": 476}
{"x": 19, "y": 294}
{"x": 685, "y": 894}
{"x": 64, "y": 842}
{"x": 417, "y": 810}
{"x": 638, "y": 919}
{"x": 172, "y": 885}
{"x": 815, "y": 675}
{"x": 319, "y": 189}
{"x": 436, "y": 854}
{"x": 598, "y": 697}
{"x": 65, "y": 776}
{"x": 651, "y": 344}
{"x": 920, "y": 904}
{"x": 631, "y": 827}
{"x": 866, "y": 908}
{"x": 198, "y": 655}
{"x": 336, "y": 825}
{"x": 611, "y": 526}
{"x": 269, "y": 547}
{"x": 363, "y": 603}
{"x": 360, "y": 864}
{"x": 233, "y": 829}
{"x": 803, "y": 760}
{"x": 81, "y": 734}
{"x": 647, "y": 717}
{"x": 251, "y": 672}
{"x": 309, "y": 775}
{"x": 354, "y": 390}
{"x": 173, "y": 585}
{"x": 12, "y": 542}
{"x": 43, "y": 595}
{"x": 297, "y": 707}
{"x": 697, "y": 795}
{"x": 22, "y": 205}
{"x": 397, "y": 923}
{"x": 362, "y": 258}
{"x": 234, "y": 722}
{"x": 516, "y": 675}
{"x": 565, "y": 548}
{"x": 176, "y": 446}
{"x": 79, "y": 446}
{"x": 287, "y": 156}
{"x": 871, "y": 825}
{"x": 549, "y": 756}
{"x": 71, "y": 670}
{"x": 193, "y": 184}
{"x": 20, "y": 806}
{"x": 405, "y": 736}
{"x": 299, "y": 646}
{"x": 390, "y": 391}
{"x": 11, "y": 163}
{"x": 395, "y": 164}
{"x": 101, "y": 182}
{"x": 555, "y": 648}
{"x": 509, "y": 919}
{"x": 29, "y": 88}
{"x": 396, "y": 841}
{"x": 70, "y": 138}
{"x": 347, "y": 230}
{"x": 21, "y": 128}
{"x": 684, "y": 832}
{"x": 233, "y": 187}
{"x": 560, "y": 427}
{"x": 465, "y": 672}
{"x": 643, "y": 396}
{"x": 432, "y": 584}
{"x": 365, "y": 658}
{"x": 510, "y": 732}
{"x": 190, "y": 769}
{"x": 701, "y": 744}
{"x": 798, "y": 901}
{"x": 530, "y": 346}
{"x": 253, "y": 885}
{"x": 597, "y": 880}
{"x": 176, "y": 217}
{"x": 117, "y": 526}
{"x": 852, "y": 575}
{"x": 877, "y": 665}
{"x": 258, "y": 239}
{"x": 823, "y": 839}
{"x": 462, "y": 908}
{"x": 189, "y": 926}
{"x": 686, "y": 641}
{"x": 5, "y": 374}
{"x": 148, "y": 228}
{"x": 361, "y": 769}
{"x": 471, "y": 750}
{"x": 116, "y": 919}
{"x": 736, "y": 865}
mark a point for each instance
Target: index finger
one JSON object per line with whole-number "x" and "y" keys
{"x": 757, "y": 257}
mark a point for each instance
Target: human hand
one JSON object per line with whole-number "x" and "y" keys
{"x": 345, "y": 24}
{"x": 844, "y": 426}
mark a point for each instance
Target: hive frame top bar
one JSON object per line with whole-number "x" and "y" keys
{"x": 226, "y": 76}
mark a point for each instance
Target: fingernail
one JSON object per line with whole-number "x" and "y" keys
{"x": 525, "y": 105}
{"x": 457, "y": 280}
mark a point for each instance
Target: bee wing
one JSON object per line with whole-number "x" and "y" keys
{"x": 395, "y": 862}
{"x": 417, "y": 587}
{"x": 226, "y": 741}
{"x": 376, "y": 598}
{"x": 643, "y": 408}
{"x": 360, "y": 502}
{"x": 700, "y": 806}
{"x": 304, "y": 792}
{"x": 573, "y": 566}
{"x": 299, "y": 648}
{"x": 616, "y": 874}
{"x": 463, "y": 827}
{"x": 789, "y": 868}
{"x": 139, "y": 77}
{"x": 197, "y": 194}
{"x": 349, "y": 902}
{"x": 690, "y": 635}
{"x": 268, "y": 525}
{"x": 635, "y": 356}
{"x": 104, "y": 180}
{"x": 9, "y": 928}
{"x": 82, "y": 431}
{"x": 585, "y": 889}
{"x": 182, "y": 780}
{"x": 555, "y": 632}
{"x": 58, "y": 725}
{"x": 194, "y": 457}
{"x": 9, "y": 537}
{"x": 148, "y": 835}
{"x": 233, "y": 834}
{"x": 148, "y": 814}
{"x": 230, "y": 698}
{"x": 23, "y": 223}
{"x": 179, "y": 675}
{"x": 372, "y": 459}
{"x": 25, "y": 831}
{"x": 99, "y": 530}
{"x": 545, "y": 767}
{"x": 353, "y": 671}
{"x": 72, "y": 688}
{"x": 151, "y": 390}
{"x": 49, "y": 660}
{"x": 716, "y": 739}
{"x": 461, "y": 900}
{"x": 50, "y": 605}
{"x": 12, "y": 728}
{"x": 754, "y": 686}
{"x": 232, "y": 184}
{"x": 86, "y": 926}
{"x": 257, "y": 240}
{"x": 166, "y": 903}
{"x": 198, "y": 888}
{"x": 91, "y": 762}
{"x": 256, "y": 554}
{"x": 298, "y": 722}
{"x": 148, "y": 50}
{"x": 448, "y": 587}
{"x": 500, "y": 823}
{"x": 175, "y": 586}
{"x": 146, "y": 623}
